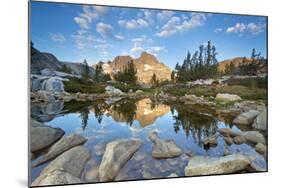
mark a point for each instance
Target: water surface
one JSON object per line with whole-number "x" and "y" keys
{"x": 103, "y": 121}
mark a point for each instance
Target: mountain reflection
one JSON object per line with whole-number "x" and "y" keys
{"x": 145, "y": 111}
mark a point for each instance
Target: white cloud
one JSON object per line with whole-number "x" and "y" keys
{"x": 83, "y": 23}
{"x": 142, "y": 38}
{"x": 133, "y": 24}
{"x": 57, "y": 37}
{"x": 255, "y": 28}
{"x": 148, "y": 15}
{"x": 83, "y": 40}
{"x": 137, "y": 49}
{"x": 176, "y": 25}
{"x": 119, "y": 37}
{"x": 104, "y": 29}
{"x": 101, "y": 10}
{"x": 240, "y": 28}
{"x": 88, "y": 14}
{"x": 155, "y": 50}
{"x": 218, "y": 30}
{"x": 165, "y": 15}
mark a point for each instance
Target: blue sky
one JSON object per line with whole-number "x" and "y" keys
{"x": 75, "y": 32}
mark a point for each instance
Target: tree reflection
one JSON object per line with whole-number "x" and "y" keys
{"x": 194, "y": 123}
{"x": 99, "y": 107}
{"x": 84, "y": 115}
{"x": 127, "y": 109}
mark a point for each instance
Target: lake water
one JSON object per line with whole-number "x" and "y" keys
{"x": 104, "y": 121}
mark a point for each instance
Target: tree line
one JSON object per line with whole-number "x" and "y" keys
{"x": 202, "y": 64}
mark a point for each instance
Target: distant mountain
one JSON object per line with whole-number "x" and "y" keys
{"x": 43, "y": 60}
{"x": 238, "y": 61}
{"x": 146, "y": 66}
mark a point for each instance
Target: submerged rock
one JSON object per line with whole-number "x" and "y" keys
{"x": 42, "y": 136}
{"x": 261, "y": 121}
{"x": 92, "y": 174}
{"x": 164, "y": 148}
{"x": 228, "y": 140}
{"x": 211, "y": 141}
{"x": 227, "y": 97}
{"x": 200, "y": 165}
{"x": 260, "y": 148}
{"x": 116, "y": 154}
{"x": 71, "y": 162}
{"x": 239, "y": 140}
{"x": 246, "y": 118}
{"x": 64, "y": 144}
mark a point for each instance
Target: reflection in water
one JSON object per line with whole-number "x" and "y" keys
{"x": 125, "y": 111}
{"x": 102, "y": 122}
{"x": 145, "y": 111}
{"x": 194, "y": 124}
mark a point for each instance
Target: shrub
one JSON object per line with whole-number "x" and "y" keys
{"x": 75, "y": 85}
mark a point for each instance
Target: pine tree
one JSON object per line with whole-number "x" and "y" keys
{"x": 154, "y": 80}
{"x": 86, "y": 74}
{"x": 173, "y": 76}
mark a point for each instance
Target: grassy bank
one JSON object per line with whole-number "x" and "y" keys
{"x": 249, "y": 93}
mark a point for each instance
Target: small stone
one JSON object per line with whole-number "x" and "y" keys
{"x": 261, "y": 148}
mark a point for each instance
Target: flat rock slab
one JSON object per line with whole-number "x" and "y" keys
{"x": 116, "y": 154}
{"x": 201, "y": 165}
{"x": 164, "y": 148}
{"x": 246, "y": 118}
{"x": 228, "y": 132}
{"x": 64, "y": 144}
{"x": 58, "y": 177}
{"x": 42, "y": 136}
{"x": 71, "y": 162}
{"x": 227, "y": 97}
{"x": 254, "y": 137}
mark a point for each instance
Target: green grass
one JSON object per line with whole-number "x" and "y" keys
{"x": 249, "y": 82}
{"x": 133, "y": 87}
{"x": 244, "y": 92}
{"x": 75, "y": 85}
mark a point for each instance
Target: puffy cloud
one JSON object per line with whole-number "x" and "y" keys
{"x": 119, "y": 37}
{"x": 136, "y": 49}
{"x": 101, "y": 10}
{"x": 88, "y": 14}
{"x": 155, "y": 50}
{"x": 142, "y": 38}
{"x": 133, "y": 24}
{"x": 240, "y": 28}
{"x": 57, "y": 37}
{"x": 148, "y": 15}
{"x": 256, "y": 28}
{"x": 104, "y": 29}
{"x": 176, "y": 25}
{"x": 83, "y": 23}
{"x": 218, "y": 30}
{"x": 164, "y": 15}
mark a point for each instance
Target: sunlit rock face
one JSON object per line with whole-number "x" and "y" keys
{"x": 145, "y": 112}
{"x": 146, "y": 65}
